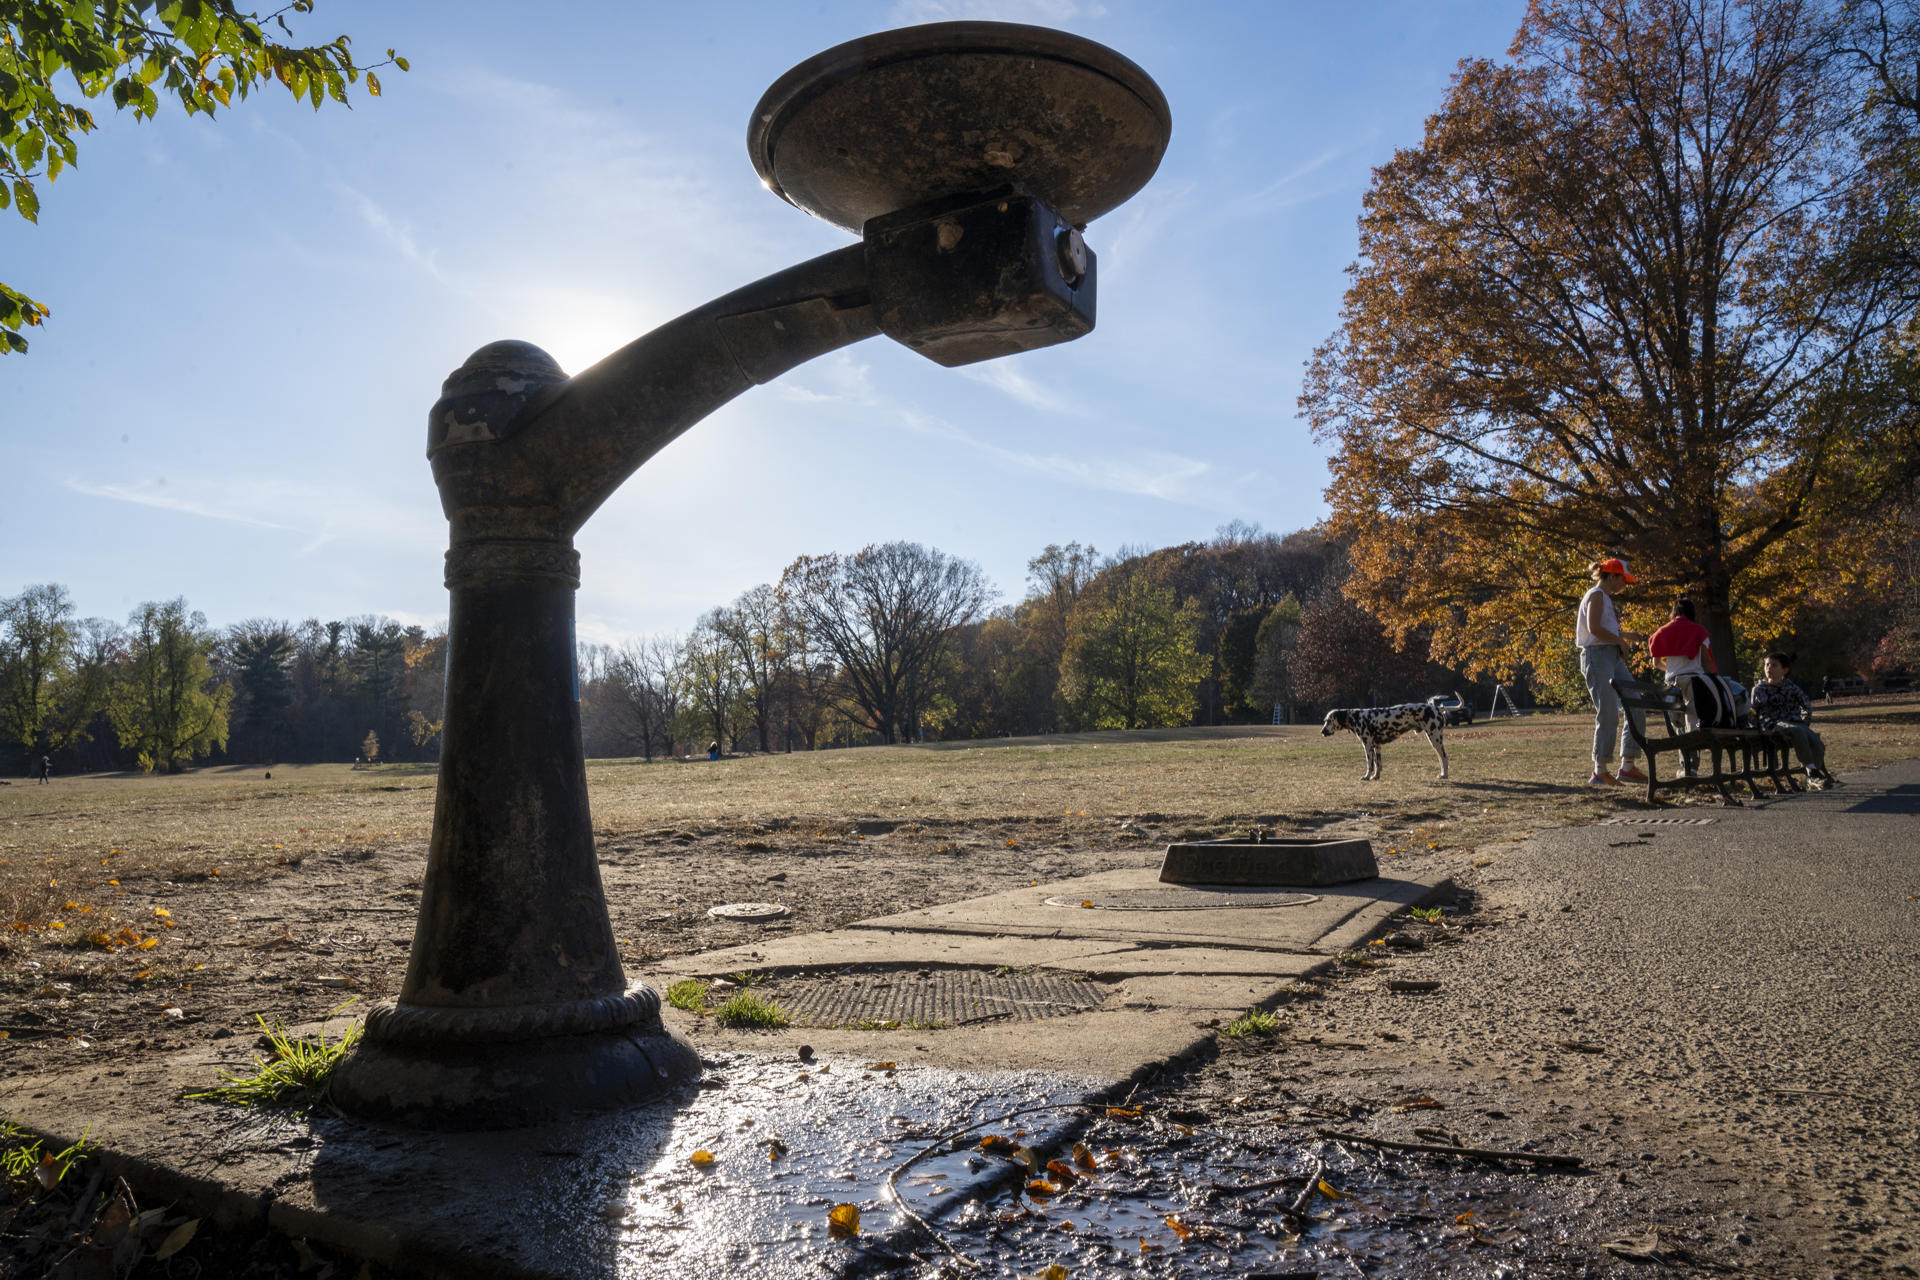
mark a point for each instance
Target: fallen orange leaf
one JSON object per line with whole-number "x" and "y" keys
{"x": 702, "y": 1157}
{"x": 1180, "y": 1229}
{"x": 843, "y": 1220}
{"x": 1082, "y": 1156}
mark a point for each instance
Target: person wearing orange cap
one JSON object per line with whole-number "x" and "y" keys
{"x": 1603, "y": 646}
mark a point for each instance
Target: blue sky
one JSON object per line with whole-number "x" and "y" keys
{"x": 253, "y": 315}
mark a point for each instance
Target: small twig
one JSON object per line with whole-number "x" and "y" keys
{"x": 944, "y": 1143}
{"x": 1218, "y": 1189}
{"x": 83, "y": 1209}
{"x": 1477, "y": 1153}
{"x": 1296, "y": 1213}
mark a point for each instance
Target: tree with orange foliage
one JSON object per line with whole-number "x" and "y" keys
{"x": 1613, "y": 304}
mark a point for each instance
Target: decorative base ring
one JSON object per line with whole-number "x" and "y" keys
{"x": 391, "y": 1022}
{"x": 490, "y": 561}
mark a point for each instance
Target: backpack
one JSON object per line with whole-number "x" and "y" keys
{"x": 1716, "y": 702}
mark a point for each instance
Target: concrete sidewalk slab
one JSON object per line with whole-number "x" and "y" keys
{"x": 1318, "y": 925}
{"x": 616, "y": 1194}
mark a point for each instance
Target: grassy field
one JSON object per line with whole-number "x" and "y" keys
{"x": 148, "y": 913}
{"x": 1508, "y": 777}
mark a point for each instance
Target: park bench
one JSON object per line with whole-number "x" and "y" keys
{"x": 1751, "y": 754}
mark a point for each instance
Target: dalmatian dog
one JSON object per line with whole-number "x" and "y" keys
{"x": 1377, "y": 726}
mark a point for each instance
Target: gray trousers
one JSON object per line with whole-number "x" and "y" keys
{"x": 1807, "y": 745}
{"x": 1600, "y": 663}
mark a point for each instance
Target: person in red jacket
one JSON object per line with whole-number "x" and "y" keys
{"x": 1684, "y": 648}
{"x": 1683, "y": 645}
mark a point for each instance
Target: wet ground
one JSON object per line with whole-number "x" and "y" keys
{"x": 955, "y": 1174}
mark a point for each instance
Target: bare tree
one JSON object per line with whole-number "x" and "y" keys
{"x": 753, "y": 628}
{"x": 643, "y": 682}
{"x": 885, "y": 613}
{"x": 712, "y": 681}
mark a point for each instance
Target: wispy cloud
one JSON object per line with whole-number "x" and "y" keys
{"x": 838, "y": 378}
{"x": 1148, "y": 473}
{"x": 153, "y": 493}
{"x": 1131, "y": 234}
{"x": 1288, "y": 190}
{"x": 391, "y": 230}
{"x": 1008, "y": 380}
{"x": 317, "y": 517}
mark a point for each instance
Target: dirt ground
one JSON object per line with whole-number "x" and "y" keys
{"x": 142, "y": 915}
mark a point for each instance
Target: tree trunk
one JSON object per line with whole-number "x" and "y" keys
{"x": 1714, "y": 607}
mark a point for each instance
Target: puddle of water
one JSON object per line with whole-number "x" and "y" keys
{"x": 1153, "y": 1207}
{"x": 789, "y": 1141}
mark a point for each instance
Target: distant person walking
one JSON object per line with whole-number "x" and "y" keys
{"x": 1778, "y": 703}
{"x": 46, "y": 769}
{"x": 1603, "y": 658}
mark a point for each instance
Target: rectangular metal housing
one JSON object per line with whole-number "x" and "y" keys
{"x": 976, "y": 277}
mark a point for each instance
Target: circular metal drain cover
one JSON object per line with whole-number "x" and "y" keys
{"x": 1190, "y": 898}
{"x": 929, "y": 999}
{"x": 747, "y": 912}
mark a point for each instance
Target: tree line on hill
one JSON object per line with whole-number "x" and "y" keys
{"x": 894, "y": 643}
{"x": 897, "y": 643}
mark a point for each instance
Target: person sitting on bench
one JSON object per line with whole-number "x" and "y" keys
{"x": 1778, "y": 703}
{"x": 1686, "y": 649}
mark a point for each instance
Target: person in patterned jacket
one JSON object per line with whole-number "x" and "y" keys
{"x": 1778, "y": 703}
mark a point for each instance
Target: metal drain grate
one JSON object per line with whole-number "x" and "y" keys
{"x": 1191, "y": 898}
{"x": 937, "y": 997}
{"x": 1656, "y": 822}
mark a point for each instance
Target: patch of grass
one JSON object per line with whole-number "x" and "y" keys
{"x": 296, "y": 1076}
{"x": 747, "y": 978}
{"x": 1427, "y": 915}
{"x": 745, "y": 1009}
{"x": 26, "y": 1165}
{"x": 689, "y": 994}
{"x": 1253, "y": 1023}
{"x": 875, "y": 1024}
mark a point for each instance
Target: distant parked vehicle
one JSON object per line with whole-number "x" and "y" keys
{"x": 1452, "y": 707}
{"x": 1844, "y": 687}
{"x": 1901, "y": 683}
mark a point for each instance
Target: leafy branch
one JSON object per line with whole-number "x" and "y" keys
{"x": 203, "y": 53}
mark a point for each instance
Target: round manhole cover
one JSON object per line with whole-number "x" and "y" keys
{"x": 747, "y": 912}
{"x": 1191, "y": 898}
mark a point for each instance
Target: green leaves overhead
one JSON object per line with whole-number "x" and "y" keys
{"x": 137, "y": 53}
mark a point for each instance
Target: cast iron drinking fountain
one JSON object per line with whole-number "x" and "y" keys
{"x": 968, "y": 157}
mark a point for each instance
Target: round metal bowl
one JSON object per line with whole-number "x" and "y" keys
{"x": 898, "y": 119}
